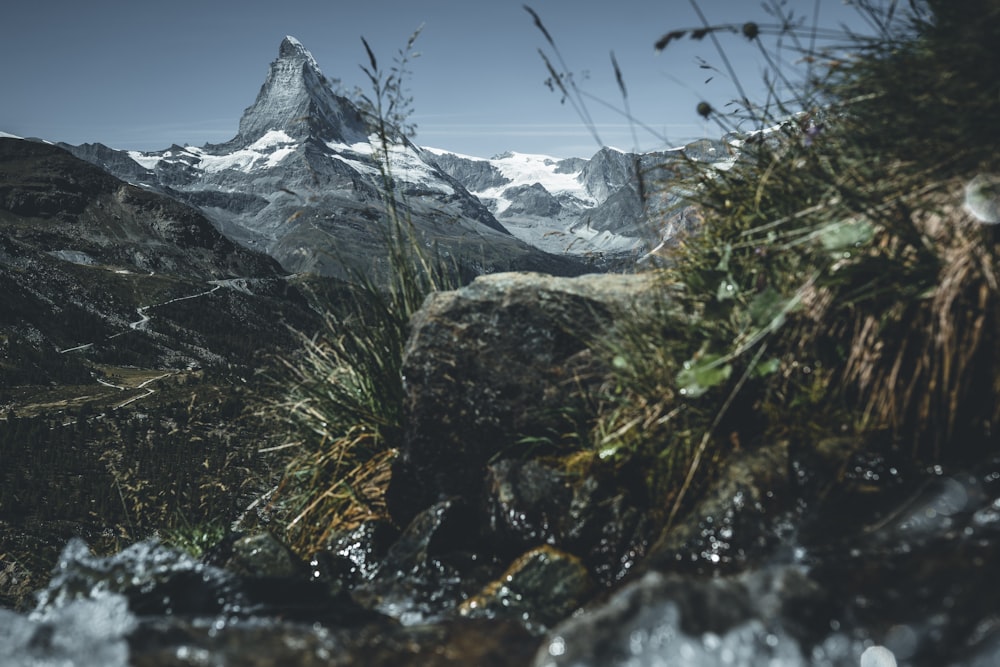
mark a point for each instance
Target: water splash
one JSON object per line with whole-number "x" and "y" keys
{"x": 982, "y": 198}
{"x": 80, "y": 633}
{"x": 878, "y": 656}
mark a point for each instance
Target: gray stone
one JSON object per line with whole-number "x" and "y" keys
{"x": 530, "y": 200}
{"x": 736, "y": 521}
{"x": 526, "y": 503}
{"x": 476, "y": 175}
{"x": 502, "y": 360}
{"x": 263, "y": 555}
{"x": 672, "y": 620}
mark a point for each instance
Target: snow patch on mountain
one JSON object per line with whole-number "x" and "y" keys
{"x": 265, "y": 153}
{"x": 405, "y": 161}
{"x": 147, "y": 160}
{"x": 525, "y": 169}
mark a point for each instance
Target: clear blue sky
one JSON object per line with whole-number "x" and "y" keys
{"x": 145, "y": 74}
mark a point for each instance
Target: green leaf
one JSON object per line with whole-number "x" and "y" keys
{"x": 766, "y": 368}
{"x": 702, "y": 373}
{"x": 846, "y": 235}
{"x": 727, "y": 254}
{"x": 767, "y": 310}
{"x": 727, "y": 289}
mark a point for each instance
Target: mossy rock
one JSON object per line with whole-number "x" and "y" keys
{"x": 540, "y": 588}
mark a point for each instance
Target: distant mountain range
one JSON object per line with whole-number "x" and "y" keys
{"x": 299, "y": 182}
{"x": 615, "y": 204}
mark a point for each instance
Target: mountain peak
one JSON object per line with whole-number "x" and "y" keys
{"x": 290, "y": 46}
{"x": 292, "y": 49}
{"x": 296, "y": 98}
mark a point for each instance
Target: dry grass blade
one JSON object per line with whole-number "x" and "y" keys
{"x": 540, "y": 25}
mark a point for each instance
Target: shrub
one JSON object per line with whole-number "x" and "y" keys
{"x": 837, "y": 284}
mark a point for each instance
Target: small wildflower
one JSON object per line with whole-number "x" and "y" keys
{"x": 704, "y": 109}
{"x": 751, "y": 30}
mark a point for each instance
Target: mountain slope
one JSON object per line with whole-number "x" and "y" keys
{"x": 94, "y": 270}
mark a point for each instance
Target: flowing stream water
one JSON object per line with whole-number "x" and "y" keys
{"x": 916, "y": 587}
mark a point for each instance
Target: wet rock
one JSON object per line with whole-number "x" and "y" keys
{"x": 494, "y": 363}
{"x": 915, "y": 574}
{"x": 356, "y": 555}
{"x": 843, "y": 481}
{"x": 430, "y": 569}
{"x": 607, "y": 528}
{"x": 82, "y": 633}
{"x": 156, "y": 580}
{"x": 539, "y": 589}
{"x": 264, "y": 555}
{"x": 530, "y": 503}
{"x": 738, "y": 520}
{"x": 526, "y": 505}
{"x": 178, "y": 643}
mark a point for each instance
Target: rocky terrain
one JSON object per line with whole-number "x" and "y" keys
{"x": 794, "y": 556}
{"x": 129, "y": 324}
{"x": 614, "y": 205}
{"x": 778, "y": 448}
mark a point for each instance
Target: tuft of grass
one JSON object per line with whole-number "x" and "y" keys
{"x": 344, "y": 397}
{"x": 196, "y": 539}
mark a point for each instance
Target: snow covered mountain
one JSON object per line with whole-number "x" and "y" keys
{"x": 300, "y": 181}
{"x": 614, "y": 204}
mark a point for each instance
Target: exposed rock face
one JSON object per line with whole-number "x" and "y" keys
{"x": 296, "y": 99}
{"x": 607, "y": 172}
{"x": 87, "y": 210}
{"x": 499, "y": 360}
{"x": 112, "y": 161}
{"x": 614, "y": 205}
{"x": 476, "y": 175}
{"x": 530, "y": 200}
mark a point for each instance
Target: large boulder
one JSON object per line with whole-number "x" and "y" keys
{"x": 498, "y": 366}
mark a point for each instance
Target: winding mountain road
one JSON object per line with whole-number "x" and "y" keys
{"x": 140, "y": 324}
{"x": 144, "y": 318}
